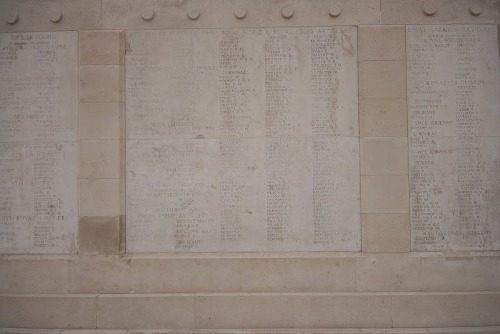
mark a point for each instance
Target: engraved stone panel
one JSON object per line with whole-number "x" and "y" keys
{"x": 242, "y": 140}
{"x": 454, "y": 130}
{"x": 38, "y": 142}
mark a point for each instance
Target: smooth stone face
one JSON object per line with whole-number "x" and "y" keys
{"x": 38, "y": 142}
{"x": 454, "y": 130}
{"x": 242, "y": 140}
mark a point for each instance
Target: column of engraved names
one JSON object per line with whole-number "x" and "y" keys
{"x": 324, "y": 78}
{"x": 424, "y": 109}
{"x": 278, "y": 75}
{"x": 446, "y": 118}
{"x": 38, "y": 119}
{"x": 470, "y": 162}
{"x": 235, "y": 124}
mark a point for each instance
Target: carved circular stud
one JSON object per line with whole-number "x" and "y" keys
{"x": 240, "y": 13}
{"x": 12, "y": 18}
{"x": 335, "y": 10}
{"x": 475, "y": 9}
{"x": 56, "y": 17}
{"x": 287, "y": 12}
{"x": 193, "y": 14}
{"x": 429, "y": 9}
{"x": 148, "y": 14}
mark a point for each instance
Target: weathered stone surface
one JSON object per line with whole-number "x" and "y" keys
{"x": 48, "y": 311}
{"x": 102, "y": 47}
{"x": 383, "y": 118}
{"x": 236, "y": 150}
{"x": 384, "y": 156}
{"x": 454, "y": 130}
{"x": 38, "y": 149}
{"x": 381, "y": 43}
{"x": 386, "y": 232}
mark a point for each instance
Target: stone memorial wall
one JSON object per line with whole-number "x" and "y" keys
{"x": 267, "y": 165}
{"x": 39, "y": 142}
{"x": 454, "y": 128}
{"x": 242, "y": 140}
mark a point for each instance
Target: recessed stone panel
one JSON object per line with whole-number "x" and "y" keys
{"x": 454, "y": 130}
{"x": 242, "y": 140}
{"x": 38, "y": 148}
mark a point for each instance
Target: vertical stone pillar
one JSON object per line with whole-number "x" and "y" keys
{"x": 102, "y": 142}
{"x": 383, "y": 132}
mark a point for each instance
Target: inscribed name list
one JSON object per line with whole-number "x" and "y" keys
{"x": 242, "y": 140}
{"x": 38, "y": 142}
{"x": 454, "y": 130}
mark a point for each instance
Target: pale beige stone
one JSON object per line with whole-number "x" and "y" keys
{"x": 99, "y": 274}
{"x": 102, "y": 47}
{"x": 101, "y": 83}
{"x": 244, "y": 311}
{"x": 27, "y": 275}
{"x": 100, "y": 197}
{"x": 447, "y": 11}
{"x": 382, "y": 79}
{"x": 48, "y": 311}
{"x": 388, "y": 272}
{"x": 156, "y": 311}
{"x": 119, "y": 14}
{"x": 384, "y": 156}
{"x": 300, "y": 274}
{"x": 381, "y": 43}
{"x": 384, "y": 194}
{"x": 99, "y": 235}
{"x": 88, "y": 242}
{"x": 100, "y": 159}
{"x": 337, "y": 310}
{"x": 479, "y": 273}
{"x": 101, "y": 120}
{"x": 383, "y": 118}
{"x": 385, "y": 232}
{"x": 34, "y": 15}
{"x": 446, "y": 309}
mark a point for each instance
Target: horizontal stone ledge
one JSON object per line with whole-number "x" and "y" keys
{"x": 403, "y": 272}
{"x": 252, "y": 310}
{"x": 435, "y": 330}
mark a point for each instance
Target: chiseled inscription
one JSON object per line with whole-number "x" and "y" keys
{"x": 38, "y": 142}
{"x": 242, "y": 140}
{"x": 454, "y": 130}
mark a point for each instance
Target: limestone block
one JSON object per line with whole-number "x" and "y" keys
{"x": 29, "y": 331}
{"x": 100, "y": 197}
{"x": 388, "y": 272}
{"x": 447, "y": 11}
{"x": 446, "y": 309}
{"x": 455, "y": 273}
{"x": 383, "y": 118}
{"x": 33, "y": 275}
{"x": 88, "y": 242}
{"x": 300, "y": 274}
{"x": 384, "y": 156}
{"x": 153, "y": 311}
{"x": 99, "y": 235}
{"x": 381, "y": 43}
{"x": 382, "y": 79}
{"x": 101, "y": 83}
{"x": 186, "y": 275}
{"x": 48, "y": 311}
{"x": 102, "y": 47}
{"x": 119, "y": 14}
{"x": 33, "y": 15}
{"x": 99, "y": 274}
{"x": 100, "y": 159}
{"x": 336, "y": 310}
{"x": 385, "y": 232}
{"x": 109, "y": 235}
{"x": 241, "y": 311}
{"x": 101, "y": 120}
{"x": 384, "y": 194}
